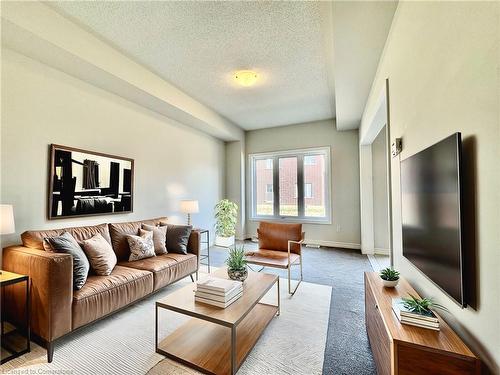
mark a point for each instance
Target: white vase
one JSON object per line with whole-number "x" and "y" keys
{"x": 390, "y": 283}
{"x": 224, "y": 241}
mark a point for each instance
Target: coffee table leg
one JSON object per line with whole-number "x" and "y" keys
{"x": 156, "y": 328}
{"x": 279, "y": 299}
{"x": 233, "y": 350}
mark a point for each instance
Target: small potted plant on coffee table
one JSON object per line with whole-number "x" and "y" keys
{"x": 236, "y": 264}
{"x": 390, "y": 277}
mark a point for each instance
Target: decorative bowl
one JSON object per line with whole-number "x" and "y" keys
{"x": 238, "y": 275}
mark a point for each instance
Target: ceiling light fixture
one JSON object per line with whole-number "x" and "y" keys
{"x": 246, "y": 77}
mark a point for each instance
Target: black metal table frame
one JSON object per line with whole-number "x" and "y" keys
{"x": 28, "y": 336}
{"x": 207, "y": 242}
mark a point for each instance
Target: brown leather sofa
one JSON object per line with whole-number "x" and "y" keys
{"x": 57, "y": 309}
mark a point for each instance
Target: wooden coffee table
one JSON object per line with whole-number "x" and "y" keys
{"x": 215, "y": 340}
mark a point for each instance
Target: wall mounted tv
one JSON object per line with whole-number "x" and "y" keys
{"x": 431, "y": 199}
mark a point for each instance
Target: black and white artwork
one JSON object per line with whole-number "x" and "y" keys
{"x": 83, "y": 183}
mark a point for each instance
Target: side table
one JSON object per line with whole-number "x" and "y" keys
{"x": 6, "y": 279}
{"x": 206, "y": 242}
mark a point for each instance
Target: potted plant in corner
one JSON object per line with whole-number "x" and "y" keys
{"x": 225, "y": 215}
{"x": 390, "y": 277}
{"x": 236, "y": 264}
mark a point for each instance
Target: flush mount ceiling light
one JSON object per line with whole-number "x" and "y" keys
{"x": 246, "y": 77}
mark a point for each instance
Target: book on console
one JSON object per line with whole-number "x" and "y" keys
{"x": 401, "y": 311}
{"x": 217, "y": 303}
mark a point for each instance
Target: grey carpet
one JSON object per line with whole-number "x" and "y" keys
{"x": 347, "y": 349}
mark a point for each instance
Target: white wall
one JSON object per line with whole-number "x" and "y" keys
{"x": 345, "y": 227}
{"x": 41, "y": 105}
{"x": 235, "y": 182}
{"x": 380, "y": 207}
{"x": 442, "y": 62}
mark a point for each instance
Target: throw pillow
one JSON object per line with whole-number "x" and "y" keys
{"x": 178, "y": 237}
{"x": 141, "y": 246}
{"x": 159, "y": 237}
{"x": 66, "y": 243}
{"x": 101, "y": 255}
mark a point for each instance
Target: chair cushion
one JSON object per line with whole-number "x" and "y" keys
{"x": 271, "y": 258}
{"x": 275, "y": 236}
{"x": 119, "y": 231}
{"x": 101, "y": 295}
{"x": 166, "y": 268}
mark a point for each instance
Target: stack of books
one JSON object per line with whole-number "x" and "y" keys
{"x": 405, "y": 316}
{"x": 218, "y": 292}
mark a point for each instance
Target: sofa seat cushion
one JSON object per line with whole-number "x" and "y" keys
{"x": 271, "y": 258}
{"x": 166, "y": 268}
{"x": 101, "y": 295}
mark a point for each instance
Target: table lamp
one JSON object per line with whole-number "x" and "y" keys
{"x": 189, "y": 207}
{"x": 7, "y": 225}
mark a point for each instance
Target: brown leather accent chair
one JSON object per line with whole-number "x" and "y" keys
{"x": 280, "y": 246}
{"x": 57, "y": 309}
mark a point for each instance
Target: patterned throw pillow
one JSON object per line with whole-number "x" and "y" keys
{"x": 141, "y": 246}
{"x": 159, "y": 237}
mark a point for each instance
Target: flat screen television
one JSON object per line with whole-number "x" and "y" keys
{"x": 431, "y": 196}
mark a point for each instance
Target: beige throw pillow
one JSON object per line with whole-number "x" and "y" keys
{"x": 141, "y": 246}
{"x": 159, "y": 237}
{"x": 101, "y": 256}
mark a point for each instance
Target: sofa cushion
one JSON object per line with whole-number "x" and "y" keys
{"x": 66, "y": 244}
{"x": 34, "y": 238}
{"x": 141, "y": 247}
{"x": 178, "y": 238}
{"x": 102, "y": 295}
{"x": 166, "y": 268}
{"x": 100, "y": 254}
{"x": 159, "y": 237}
{"x": 119, "y": 232}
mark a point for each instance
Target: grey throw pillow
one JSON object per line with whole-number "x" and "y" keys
{"x": 67, "y": 244}
{"x": 178, "y": 237}
{"x": 142, "y": 246}
{"x": 159, "y": 237}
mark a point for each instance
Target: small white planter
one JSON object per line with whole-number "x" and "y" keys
{"x": 390, "y": 284}
{"x": 224, "y": 241}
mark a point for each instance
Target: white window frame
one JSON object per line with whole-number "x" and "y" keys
{"x": 299, "y": 153}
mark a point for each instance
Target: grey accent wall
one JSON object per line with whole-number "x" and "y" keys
{"x": 345, "y": 227}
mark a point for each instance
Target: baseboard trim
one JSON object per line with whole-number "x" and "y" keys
{"x": 381, "y": 251}
{"x": 344, "y": 245}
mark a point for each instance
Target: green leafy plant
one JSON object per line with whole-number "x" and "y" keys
{"x": 389, "y": 274}
{"x": 225, "y": 215}
{"x": 421, "y": 305}
{"x": 236, "y": 258}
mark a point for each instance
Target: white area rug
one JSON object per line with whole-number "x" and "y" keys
{"x": 293, "y": 343}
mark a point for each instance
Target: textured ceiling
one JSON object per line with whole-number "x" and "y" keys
{"x": 198, "y": 45}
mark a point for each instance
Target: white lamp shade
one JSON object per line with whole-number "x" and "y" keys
{"x": 189, "y": 207}
{"x": 7, "y": 219}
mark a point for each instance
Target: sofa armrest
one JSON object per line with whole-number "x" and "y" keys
{"x": 51, "y": 277}
{"x": 193, "y": 246}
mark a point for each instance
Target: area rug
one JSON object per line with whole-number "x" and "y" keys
{"x": 123, "y": 343}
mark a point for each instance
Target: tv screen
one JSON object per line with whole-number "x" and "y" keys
{"x": 431, "y": 215}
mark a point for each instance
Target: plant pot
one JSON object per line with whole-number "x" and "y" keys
{"x": 238, "y": 275}
{"x": 224, "y": 241}
{"x": 390, "y": 283}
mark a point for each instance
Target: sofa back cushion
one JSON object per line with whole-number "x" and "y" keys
{"x": 119, "y": 232}
{"x": 34, "y": 239}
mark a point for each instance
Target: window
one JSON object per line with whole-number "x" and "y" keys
{"x": 291, "y": 185}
